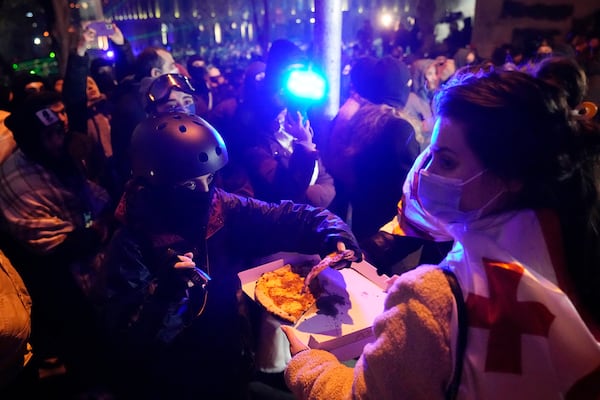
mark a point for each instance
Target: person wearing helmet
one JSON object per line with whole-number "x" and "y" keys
{"x": 175, "y": 93}
{"x": 172, "y": 305}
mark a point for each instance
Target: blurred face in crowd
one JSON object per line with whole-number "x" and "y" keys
{"x": 177, "y": 101}
{"x": 34, "y": 87}
{"x": 199, "y": 63}
{"x": 105, "y": 69}
{"x": 91, "y": 89}
{"x": 54, "y": 136}
{"x": 168, "y": 67}
{"x": 215, "y": 79}
{"x": 433, "y": 80}
{"x": 58, "y": 85}
{"x": 470, "y": 59}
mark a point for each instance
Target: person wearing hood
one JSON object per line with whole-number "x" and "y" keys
{"x": 197, "y": 68}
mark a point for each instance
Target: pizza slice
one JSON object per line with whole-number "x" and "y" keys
{"x": 281, "y": 293}
{"x": 330, "y": 260}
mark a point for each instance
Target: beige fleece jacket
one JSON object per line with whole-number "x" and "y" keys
{"x": 409, "y": 359}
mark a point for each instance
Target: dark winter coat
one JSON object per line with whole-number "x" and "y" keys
{"x": 145, "y": 309}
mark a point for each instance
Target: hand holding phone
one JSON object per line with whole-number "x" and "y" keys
{"x": 102, "y": 28}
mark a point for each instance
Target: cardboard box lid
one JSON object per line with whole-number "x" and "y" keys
{"x": 342, "y": 318}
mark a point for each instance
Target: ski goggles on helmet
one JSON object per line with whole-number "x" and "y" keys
{"x": 160, "y": 89}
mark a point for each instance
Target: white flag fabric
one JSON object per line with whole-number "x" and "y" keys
{"x": 526, "y": 340}
{"x": 412, "y": 220}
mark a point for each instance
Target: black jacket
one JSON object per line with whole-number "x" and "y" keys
{"x": 145, "y": 308}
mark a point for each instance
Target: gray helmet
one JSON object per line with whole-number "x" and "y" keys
{"x": 171, "y": 148}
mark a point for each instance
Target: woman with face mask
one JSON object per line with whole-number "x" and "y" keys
{"x": 513, "y": 310}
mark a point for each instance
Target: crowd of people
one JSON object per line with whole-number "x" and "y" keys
{"x": 133, "y": 193}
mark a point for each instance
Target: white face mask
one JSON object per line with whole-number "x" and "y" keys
{"x": 440, "y": 197}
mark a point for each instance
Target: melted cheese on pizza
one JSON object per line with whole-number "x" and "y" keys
{"x": 281, "y": 292}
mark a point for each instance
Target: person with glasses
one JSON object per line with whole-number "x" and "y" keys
{"x": 172, "y": 302}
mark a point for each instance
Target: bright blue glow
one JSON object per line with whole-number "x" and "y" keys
{"x": 306, "y": 85}
{"x": 110, "y": 54}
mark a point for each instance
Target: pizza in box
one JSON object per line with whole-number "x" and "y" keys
{"x": 282, "y": 293}
{"x": 290, "y": 291}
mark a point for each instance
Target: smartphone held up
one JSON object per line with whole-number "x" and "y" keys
{"x": 102, "y": 28}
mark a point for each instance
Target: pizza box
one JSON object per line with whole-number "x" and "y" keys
{"x": 340, "y": 321}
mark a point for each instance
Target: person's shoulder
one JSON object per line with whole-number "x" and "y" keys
{"x": 16, "y": 161}
{"x": 425, "y": 282}
{"x": 223, "y": 200}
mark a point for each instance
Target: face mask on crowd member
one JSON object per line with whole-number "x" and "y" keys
{"x": 454, "y": 187}
{"x": 177, "y": 101}
{"x": 441, "y": 197}
{"x": 177, "y": 156}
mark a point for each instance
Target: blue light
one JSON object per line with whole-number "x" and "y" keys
{"x": 110, "y": 54}
{"x": 305, "y": 84}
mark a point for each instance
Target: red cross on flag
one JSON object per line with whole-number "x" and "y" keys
{"x": 525, "y": 339}
{"x": 506, "y": 317}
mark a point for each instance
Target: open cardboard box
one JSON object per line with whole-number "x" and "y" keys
{"x": 340, "y": 321}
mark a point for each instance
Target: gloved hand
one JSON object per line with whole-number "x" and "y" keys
{"x": 340, "y": 259}
{"x": 347, "y": 255}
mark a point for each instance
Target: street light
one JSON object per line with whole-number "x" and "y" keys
{"x": 386, "y": 20}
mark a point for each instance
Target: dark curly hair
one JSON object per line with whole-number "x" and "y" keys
{"x": 522, "y": 128}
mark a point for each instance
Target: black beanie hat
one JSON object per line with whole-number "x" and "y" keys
{"x": 392, "y": 82}
{"x": 362, "y": 76}
{"x": 31, "y": 116}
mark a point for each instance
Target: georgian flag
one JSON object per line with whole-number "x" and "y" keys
{"x": 526, "y": 339}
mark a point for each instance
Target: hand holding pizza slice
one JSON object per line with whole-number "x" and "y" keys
{"x": 285, "y": 293}
{"x": 331, "y": 260}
